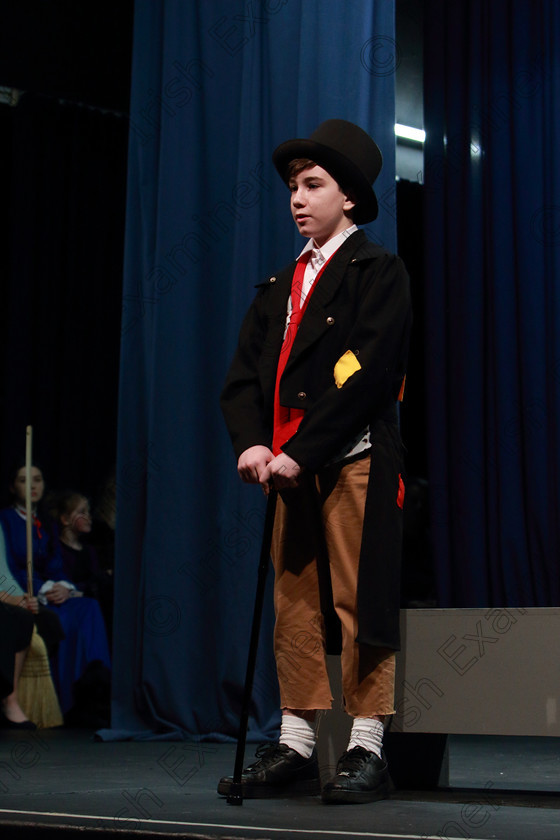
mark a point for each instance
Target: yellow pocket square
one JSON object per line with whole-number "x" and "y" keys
{"x": 346, "y": 367}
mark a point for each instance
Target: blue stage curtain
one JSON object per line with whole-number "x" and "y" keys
{"x": 215, "y": 87}
{"x": 492, "y": 88}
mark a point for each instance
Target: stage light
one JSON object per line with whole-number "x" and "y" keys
{"x": 407, "y": 132}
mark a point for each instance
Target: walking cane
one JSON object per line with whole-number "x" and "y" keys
{"x": 235, "y": 796}
{"x": 28, "y": 510}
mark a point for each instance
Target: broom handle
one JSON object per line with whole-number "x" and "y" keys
{"x": 28, "y": 510}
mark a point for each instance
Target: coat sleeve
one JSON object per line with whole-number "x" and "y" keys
{"x": 242, "y": 399}
{"x": 379, "y": 341}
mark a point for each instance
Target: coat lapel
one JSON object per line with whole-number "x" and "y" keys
{"x": 314, "y": 322}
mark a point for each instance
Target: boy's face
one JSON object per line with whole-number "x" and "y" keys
{"x": 318, "y": 205}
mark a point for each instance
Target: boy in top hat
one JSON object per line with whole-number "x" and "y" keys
{"x": 310, "y": 404}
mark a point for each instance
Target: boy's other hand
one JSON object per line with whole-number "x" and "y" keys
{"x": 282, "y": 472}
{"x": 253, "y": 463}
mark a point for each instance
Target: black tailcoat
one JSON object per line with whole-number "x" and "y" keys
{"x": 361, "y": 303}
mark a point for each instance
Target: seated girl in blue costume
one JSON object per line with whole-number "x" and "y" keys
{"x": 81, "y": 619}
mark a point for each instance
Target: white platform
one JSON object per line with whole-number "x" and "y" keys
{"x": 479, "y": 672}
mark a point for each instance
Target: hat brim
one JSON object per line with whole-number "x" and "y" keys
{"x": 342, "y": 169}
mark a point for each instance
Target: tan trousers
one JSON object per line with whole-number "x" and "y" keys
{"x": 317, "y": 530}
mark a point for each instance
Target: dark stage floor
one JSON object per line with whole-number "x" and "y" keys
{"x": 62, "y": 783}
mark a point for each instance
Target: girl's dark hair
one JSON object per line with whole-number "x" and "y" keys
{"x": 19, "y": 465}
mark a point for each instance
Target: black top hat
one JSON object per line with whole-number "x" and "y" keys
{"x": 347, "y": 153}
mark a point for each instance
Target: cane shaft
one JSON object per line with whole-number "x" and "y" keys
{"x": 236, "y": 797}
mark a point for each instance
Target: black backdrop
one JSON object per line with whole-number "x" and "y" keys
{"x": 62, "y": 213}
{"x": 61, "y": 263}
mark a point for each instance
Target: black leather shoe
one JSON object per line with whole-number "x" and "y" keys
{"x": 361, "y": 776}
{"x": 6, "y": 723}
{"x": 279, "y": 771}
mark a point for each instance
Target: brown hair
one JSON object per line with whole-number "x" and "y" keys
{"x": 298, "y": 165}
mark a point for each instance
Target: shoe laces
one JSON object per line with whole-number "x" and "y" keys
{"x": 265, "y": 754}
{"x": 352, "y": 761}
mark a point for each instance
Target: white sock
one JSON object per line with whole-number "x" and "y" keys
{"x": 298, "y": 733}
{"x": 367, "y": 733}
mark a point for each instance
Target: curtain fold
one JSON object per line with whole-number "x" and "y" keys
{"x": 215, "y": 87}
{"x": 492, "y": 84}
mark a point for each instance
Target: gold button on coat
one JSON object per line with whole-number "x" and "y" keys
{"x": 302, "y": 395}
{"x": 330, "y": 320}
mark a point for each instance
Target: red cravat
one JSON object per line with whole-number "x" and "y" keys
{"x": 287, "y": 420}
{"x": 23, "y": 513}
